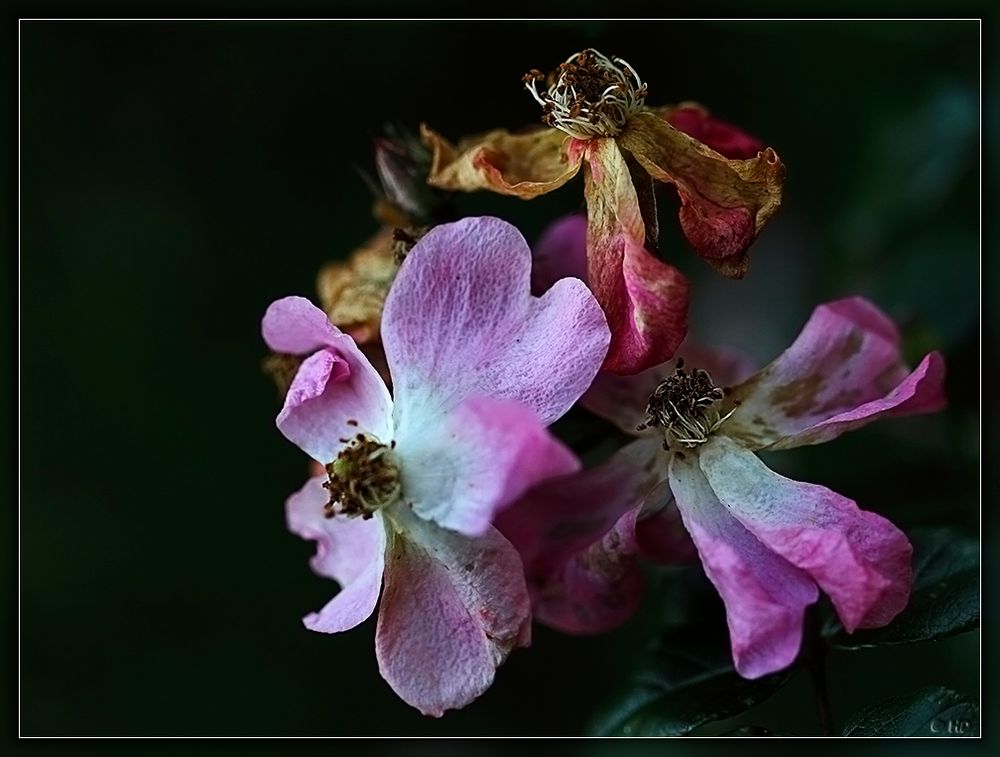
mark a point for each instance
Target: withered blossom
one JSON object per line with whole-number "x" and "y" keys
{"x": 595, "y": 109}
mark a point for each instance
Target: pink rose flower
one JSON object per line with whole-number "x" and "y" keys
{"x": 580, "y": 536}
{"x": 768, "y": 543}
{"x": 479, "y": 368}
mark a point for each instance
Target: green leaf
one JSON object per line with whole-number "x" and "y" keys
{"x": 945, "y": 597}
{"x": 931, "y": 711}
{"x": 685, "y": 681}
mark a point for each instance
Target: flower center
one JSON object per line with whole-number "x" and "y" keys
{"x": 364, "y": 478}
{"x": 686, "y": 405}
{"x": 590, "y": 95}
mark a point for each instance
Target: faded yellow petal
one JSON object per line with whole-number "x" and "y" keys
{"x": 523, "y": 165}
{"x": 695, "y": 120}
{"x": 725, "y": 203}
{"x": 352, "y": 292}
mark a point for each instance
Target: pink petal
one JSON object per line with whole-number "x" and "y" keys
{"x": 351, "y": 551}
{"x": 599, "y": 589}
{"x": 453, "y": 609}
{"x": 460, "y": 468}
{"x": 460, "y": 320}
{"x": 859, "y": 558}
{"x": 336, "y": 392}
{"x": 645, "y": 299}
{"x": 331, "y": 400}
{"x": 561, "y": 251}
{"x": 558, "y": 518}
{"x": 622, "y": 399}
{"x": 724, "y": 203}
{"x": 296, "y": 326}
{"x": 842, "y": 372}
{"x": 726, "y": 139}
{"x": 575, "y": 535}
{"x": 765, "y": 596}
{"x": 659, "y": 531}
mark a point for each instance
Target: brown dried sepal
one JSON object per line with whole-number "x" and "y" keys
{"x": 353, "y": 292}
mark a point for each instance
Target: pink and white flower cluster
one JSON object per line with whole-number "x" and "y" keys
{"x": 450, "y": 505}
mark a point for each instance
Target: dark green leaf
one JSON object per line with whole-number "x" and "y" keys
{"x": 687, "y": 680}
{"x": 945, "y": 598}
{"x": 931, "y": 711}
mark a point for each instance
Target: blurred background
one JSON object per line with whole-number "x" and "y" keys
{"x": 178, "y": 177}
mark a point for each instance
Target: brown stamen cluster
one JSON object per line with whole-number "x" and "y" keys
{"x": 363, "y": 478}
{"x": 686, "y": 406}
{"x": 590, "y": 95}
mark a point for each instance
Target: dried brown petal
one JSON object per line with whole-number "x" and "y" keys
{"x": 724, "y": 203}
{"x": 352, "y": 292}
{"x": 695, "y": 120}
{"x": 645, "y": 300}
{"x": 523, "y": 165}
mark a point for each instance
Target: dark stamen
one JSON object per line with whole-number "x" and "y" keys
{"x": 686, "y": 406}
{"x": 362, "y": 479}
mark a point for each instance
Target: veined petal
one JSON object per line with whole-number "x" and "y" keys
{"x": 599, "y": 589}
{"x": 576, "y": 537}
{"x": 726, "y": 139}
{"x": 460, "y": 320}
{"x": 559, "y": 518}
{"x": 336, "y": 392}
{"x": 296, "y": 326}
{"x": 461, "y": 468}
{"x": 764, "y": 594}
{"x": 351, "y": 551}
{"x": 644, "y": 299}
{"x": 843, "y": 371}
{"x": 333, "y": 398}
{"x": 453, "y": 609}
{"x": 859, "y": 558}
{"x": 561, "y": 251}
{"x": 724, "y": 203}
{"x": 623, "y": 399}
{"x": 524, "y": 165}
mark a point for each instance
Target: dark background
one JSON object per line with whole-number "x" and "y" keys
{"x": 177, "y": 177}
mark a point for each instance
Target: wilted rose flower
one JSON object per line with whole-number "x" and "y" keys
{"x": 769, "y": 543}
{"x": 596, "y": 109}
{"x": 413, "y": 481}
